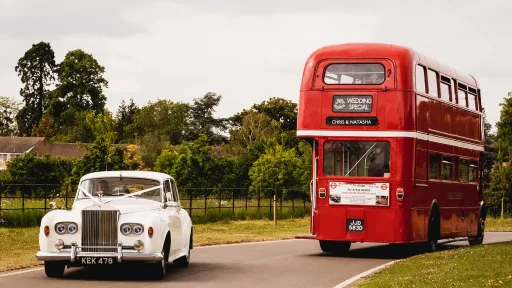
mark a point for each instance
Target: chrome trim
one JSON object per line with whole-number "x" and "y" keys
{"x": 122, "y": 255}
{"x": 99, "y": 230}
{"x": 125, "y": 256}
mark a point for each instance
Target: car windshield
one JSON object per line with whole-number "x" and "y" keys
{"x": 115, "y": 187}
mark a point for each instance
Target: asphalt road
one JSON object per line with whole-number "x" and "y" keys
{"x": 293, "y": 263}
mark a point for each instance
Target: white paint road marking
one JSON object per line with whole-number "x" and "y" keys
{"x": 20, "y": 272}
{"x": 202, "y": 247}
{"x": 366, "y": 273}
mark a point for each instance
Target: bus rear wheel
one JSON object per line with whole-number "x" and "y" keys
{"x": 336, "y": 247}
{"x": 433, "y": 235}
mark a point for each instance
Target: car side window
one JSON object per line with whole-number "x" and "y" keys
{"x": 167, "y": 188}
{"x": 175, "y": 193}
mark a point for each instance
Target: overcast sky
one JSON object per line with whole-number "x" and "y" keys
{"x": 249, "y": 51}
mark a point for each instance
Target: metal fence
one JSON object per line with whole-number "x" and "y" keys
{"x": 23, "y": 197}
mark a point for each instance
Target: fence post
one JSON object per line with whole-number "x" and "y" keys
{"x": 233, "y": 203}
{"x": 275, "y": 209}
{"x": 44, "y": 193}
{"x": 270, "y": 204}
{"x": 66, "y": 196}
{"x": 205, "y": 200}
{"x": 259, "y": 199}
{"x": 190, "y": 204}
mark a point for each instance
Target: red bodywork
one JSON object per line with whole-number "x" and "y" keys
{"x": 416, "y": 125}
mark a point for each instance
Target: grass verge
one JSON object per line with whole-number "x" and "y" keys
{"x": 498, "y": 225}
{"x": 477, "y": 266}
{"x": 20, "y": 244}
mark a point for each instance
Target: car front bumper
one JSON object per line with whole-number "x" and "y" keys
{"x": 121, "y": 255}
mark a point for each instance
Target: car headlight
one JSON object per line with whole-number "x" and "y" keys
{"x": 126, "y": 229}
{"x": 60, "y": 228}
{"x": 132, "y": 229}
{"x": 137, "y": 229}
{"x": 66, "y": 228}
{"x": 72, "y": 228}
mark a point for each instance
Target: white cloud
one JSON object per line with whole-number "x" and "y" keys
{"x": 251, "y": 51}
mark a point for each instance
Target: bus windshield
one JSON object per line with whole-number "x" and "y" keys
{"x": 356, "y": 158}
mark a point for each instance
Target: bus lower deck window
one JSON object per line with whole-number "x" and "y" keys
{"x": 356, "y": 158}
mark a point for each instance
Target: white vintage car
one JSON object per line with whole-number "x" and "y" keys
{"x": 118, "y": 217}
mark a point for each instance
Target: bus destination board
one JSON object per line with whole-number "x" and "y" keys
{"x": 352, "y": 121}
{"x": 352, "y": 103}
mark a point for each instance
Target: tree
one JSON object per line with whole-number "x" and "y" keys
{"x": 490, "y": 156}
{"x": 102, "y": 156}
{"x": 125, "y": 120}
{"x": 202, "y": 120}
{"x": 36, "y": 69}
{"x": 46, "y": 127}
{"x": 30, "y": 169}
{"x": 8, "y": 110}
{"x": 80, "y": 87}
{"x": 275, "y": 170}
{"x": 255, "y": 128}
{"x": 282, "y": 111}
{"x": 163, "y": 119}
{"x": 504, "y": 126}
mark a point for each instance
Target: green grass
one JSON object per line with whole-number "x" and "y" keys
{"x": 476, "y": 266}
{"x": 498, "y": 225}
{"x": 19, "y": 245}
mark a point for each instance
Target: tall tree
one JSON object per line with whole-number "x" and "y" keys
{"x": 202, "y": 120}
{"x": 163, "y": 118}
{"x": 125, "y": 119}
{"x": 36, "y": 69}
{"x": 490, "y": 156}
{"x": 80, "y": 87}
{"x": 504, "y": 127}
{"x": 8, "y": 110}
{"x": 255, "y": 128}
{"x": 278, "y": 109}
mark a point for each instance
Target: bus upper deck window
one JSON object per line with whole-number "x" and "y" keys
{"x": 355, "y": 74}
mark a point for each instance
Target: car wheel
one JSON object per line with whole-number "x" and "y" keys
{"x": 158, "y": 270}
{"x": 54, "y": 269}
{"x": 183, "y": 261}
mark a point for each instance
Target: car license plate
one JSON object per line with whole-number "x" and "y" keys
{"x": 97, "y": 260}
{"x": 355, "y": 225}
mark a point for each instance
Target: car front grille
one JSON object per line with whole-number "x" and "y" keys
{"x": 99, "y": 230}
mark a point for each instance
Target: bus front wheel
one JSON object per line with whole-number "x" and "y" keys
{"x": 336, "y": 247}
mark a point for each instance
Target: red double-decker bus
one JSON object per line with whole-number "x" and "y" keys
{"x": 398, "y": 143}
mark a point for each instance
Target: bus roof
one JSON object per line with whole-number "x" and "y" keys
{"x": 401, "y": 55}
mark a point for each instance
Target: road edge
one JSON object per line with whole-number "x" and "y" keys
{"x": 364, "y": 274}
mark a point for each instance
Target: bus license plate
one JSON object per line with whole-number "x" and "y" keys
{"x": 355, "y": 225}
{"x": 97, "y": 260}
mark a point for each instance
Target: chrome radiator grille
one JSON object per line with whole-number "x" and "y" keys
{"x": 99, "y": 231}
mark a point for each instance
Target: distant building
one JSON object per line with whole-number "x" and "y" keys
{"x": 12, "y": 147}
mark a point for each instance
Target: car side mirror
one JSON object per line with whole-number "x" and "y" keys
{"x": 53, "y": 205}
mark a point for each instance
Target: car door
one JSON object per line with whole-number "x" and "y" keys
{"x": 186, "y": 225}
{"x": 173, "y": 211}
